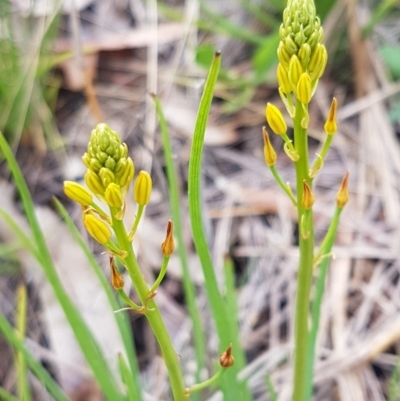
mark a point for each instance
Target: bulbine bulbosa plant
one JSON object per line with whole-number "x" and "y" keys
{"x": 302, "y": 60}
{"x": 110, "y": 171}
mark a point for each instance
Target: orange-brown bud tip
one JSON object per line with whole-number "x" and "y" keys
{"x": 308, "y": 199}
{"x": 330, "y": 126}
{"x": 117, "y": 280}
{"x": 343, "y": 194}
{"x": 226, "y": 359}
{"x": 168, "y": 246}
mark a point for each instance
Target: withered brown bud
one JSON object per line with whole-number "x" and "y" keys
{"x": 117, "y": 280}
{"x": 168, "y": 246}
{"x": 226, "y": 359}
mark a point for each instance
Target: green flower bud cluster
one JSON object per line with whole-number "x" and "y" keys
{"x": 302, "y": 56}
{"x": 109, "y": 169}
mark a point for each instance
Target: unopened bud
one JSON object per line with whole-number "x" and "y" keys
{"x": 126, "y": 175}
{"x": 343, "y": 194}
{"x": 113, "y": 196}
{"x": 142, "y": 189}
{"x": 275, "y": 119}
{"x": 168, "y": 246}
{"x": 107, "y": 176}
{"x": 226, "y": 359}
{"x": 304, "y": 55}
{"x": 307, "y": 200}
{"x": 283, "y": 79}
{"x": 94, "y": 183}
{"x": 330, "y": 126}
{"x": 318, "y": 61}
{"x": 77, "y": 193}
{"x": 295, "y": 71}
{"x": 283, "y": 55}
{"x": 97, "y": 228}
{"x": 117, "y": 279}
{"x": 303, "y": 92}
{"x": 269, "y": 152}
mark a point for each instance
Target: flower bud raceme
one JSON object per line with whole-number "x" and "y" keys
{"x": 307, "y": 199}
{"x": 107, "y": 160}
{"x": 168, "y": 246}
{"x": 343, "y": 194}
{"x": 77, "y": 193}
{"x": 142, "y": 189}
{"x": 275, "y": 119}
{"x": 330, "y": 126}
{"x": 97, "y": 228}
{"x": 269, "y": 152}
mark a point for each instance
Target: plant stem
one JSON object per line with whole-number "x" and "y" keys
{"x": 153, "y": 313}
{"x": 326, "y": 247}
{"x": 306, "y": 247}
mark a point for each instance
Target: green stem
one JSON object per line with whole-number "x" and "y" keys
{"x": 284, "y": 186}
{"x": 326, "y": 248}
{"x": 160, "y": 275}
{"x": 153, "y": 313}
{"x": 22, "y": 377}
{"x": 188, "y": 285}
{"x": 306, "y": 246}
{"x": 206, "y": 383}
{"x": 136, "y": 222}
{"x": 223, "y": 318}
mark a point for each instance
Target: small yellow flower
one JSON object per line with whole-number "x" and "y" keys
{"x": 168, "y": 246}
{"x": 97, "y": 228}
{"x": 269, "y": 152}
{"x": 142, "y": 189}
{"x": 275, "y": 119}
{"x": 318, "y": 61}
{"x": 77, "y": 193}
{"x": 330, "y": 126}
{"x": 343, "y": 194}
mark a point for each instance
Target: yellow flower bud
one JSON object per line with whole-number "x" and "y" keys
{"x": 94, "y": 183}
{"x": 113, "y": 196}
{"x": 295, "y": 71}
{"x": 275, "y": 119}
{"x": 304, "y": 55}
{"x": 127, "y": 173}
{"x": 142, "y": 189}
{"x": 283, "y": 55}
{"x": 168, "y": 246}
{"x": 283, "y": 79}
{"x": 97, "y": 228}
{"x": 77, "y": 193}
{"x": 343, "y": 194}
{"x": 307, "y": 200}
{"x": 107, "y": 176}
{"x": 269, "y": 152}
{"x": 117, "y": 279}
{"x": 317, "y": 64}
{"x": 303, "y": 92}
{"x": 330, "y": 126}
{"x": 226, "y": 359}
